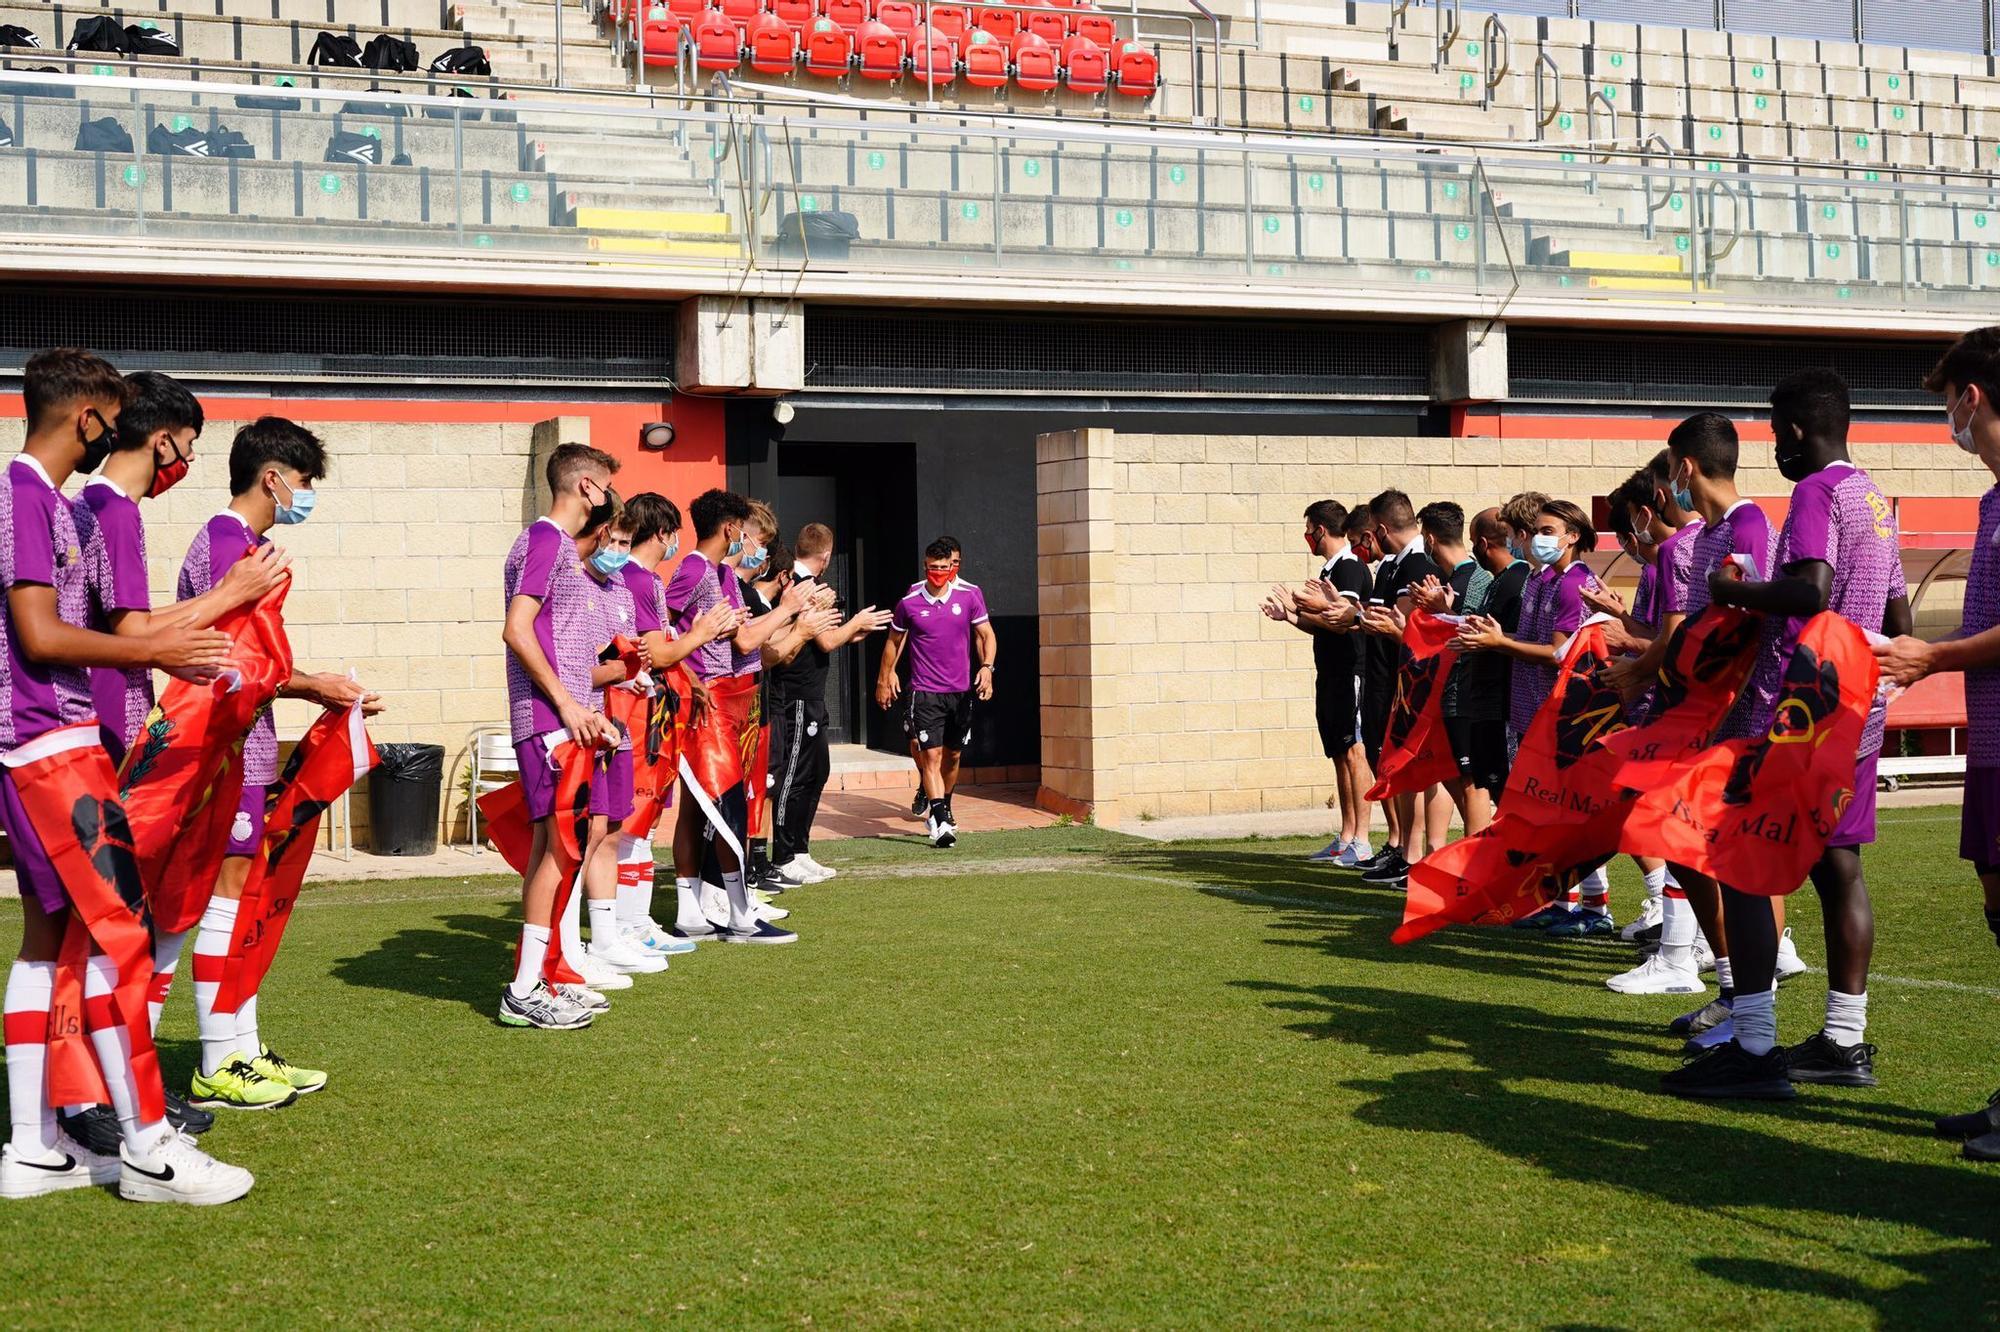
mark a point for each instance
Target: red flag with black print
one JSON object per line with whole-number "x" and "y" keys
{"x": 1707, "y": 664}
{"x": 656, "y": 749}
{"x": 722, "y": 746}
{"x": 1416, "y": 751}
{"x": 513, "y": 835}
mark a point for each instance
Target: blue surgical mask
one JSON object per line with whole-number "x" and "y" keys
{"x": 1514, "y": 549}
{"x": 673, "y": 549}
{"x": 609, "y": 561}
{"x": 754, "y": 560}
{"x": 300, "y": 509}
{"x": 735, "y": 549}
{"x": 1684, "y": 498}
{"x": 1546, "y": 549}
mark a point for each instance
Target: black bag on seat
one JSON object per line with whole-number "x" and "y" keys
{"x": 99, "y": 34}
{"x": 462, "y": 60}
{"x": 150, "y": 41}
{"x": 105, "y": 135}
{"x": 14, "y": 35}
{"x": 390, "y": 53}
{"x": 6, "y": 135}
{"x": 447, "y": 112}
{"x": 228, "y": 143}
{"x": 263, "y": 102}
{"x": 334, "y": 48}
{"x": 354, "y": 149}
{"x": 824, "y": 235}
{"x": 189, "y": 142}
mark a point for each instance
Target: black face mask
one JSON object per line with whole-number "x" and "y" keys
{"x": 600, "y": 512}
{"x": 97, "y": 449}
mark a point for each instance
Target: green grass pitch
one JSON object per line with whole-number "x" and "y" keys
{"x": 1061, "y": 1078}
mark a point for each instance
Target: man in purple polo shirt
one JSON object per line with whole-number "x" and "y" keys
{"x": 1839, "y": 551}
{"x": 73, "y": 400}
{"x": 942, "y": 622}
{"x": 1968, "y": 379}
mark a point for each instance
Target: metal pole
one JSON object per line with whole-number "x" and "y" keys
{"x": 560, "y": 82}
{"x": 1860, "y": 21}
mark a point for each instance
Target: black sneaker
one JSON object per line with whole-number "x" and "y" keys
{"x": 1986, "y": 1147}
{"x": 1648, "y": 939}
{"x": 920, "y": 804}
{"x": 1728, "y": 1072}
{"x": 1975, "y": 1125}
{"x": 95, "y": 1129}
{"x": 1390, "y": 870}
{"x": 1367, "y": 863}
{"x": 1819, "y": 1058}
{"x": 189, "y": 1119}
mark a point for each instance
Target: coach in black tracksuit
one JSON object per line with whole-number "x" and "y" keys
{"x": 795, "y": 703}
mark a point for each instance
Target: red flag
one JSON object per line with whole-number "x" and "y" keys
{"x": 656, "y": 751}
{"x": 757, "y": 779}
{"x": 67, "y": 789}
{"x": 1560, "y": 775}
{"x": 1707, "y": 663}
{"x": 332, "y": 757}
{"x": 183, "y": 776}
{"x": 1507, "y": 870}
{"x": 1416, "y": 751}
{"x": 1755, "y": 813}
{"x": 720, "y": 749}
{"x": 506, "y": 812}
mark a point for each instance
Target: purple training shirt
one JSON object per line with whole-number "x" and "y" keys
{"x": 215, "y": 550}
{"x": 1744, "y": 530}
{"x": 649, "y": 598}
{"x": 543, "y": 564}
{"x": 1676, "y": 560}
{"x": 1551, "y": 604}
{"x": 113, "y": 537}
{"x": 697, "y": 585}
{"x": 940, "y": 635}
{"x": 1982, "y": 612}
{"x": 38, "y": 544}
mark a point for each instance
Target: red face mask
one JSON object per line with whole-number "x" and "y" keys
{"x": 166, "y": 476}
{"x": 939, "y": 579}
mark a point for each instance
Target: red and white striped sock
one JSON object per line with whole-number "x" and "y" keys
{"x": 113, "y": 1045}
{"x": 31, "y": 987}
{"x": 211, "y": 955}
{"x": 166, "y": 960}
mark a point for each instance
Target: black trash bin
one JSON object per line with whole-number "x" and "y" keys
{"x": 403, "y": 794}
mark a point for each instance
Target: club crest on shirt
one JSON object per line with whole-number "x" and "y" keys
{"x": 957, "y": 609}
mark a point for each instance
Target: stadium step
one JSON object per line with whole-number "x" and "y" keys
{"x": 1606, "y": 261}
{"x": 668, "y": 245}
{"x": 600, "y": 218}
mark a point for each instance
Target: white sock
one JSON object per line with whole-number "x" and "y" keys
{"x": 742, "y": 914}
{"x": 1725, "y": 975}
{"x": 1756, "y": 1017}
{"x": 114, "y": 1059}
{"x": 211, "y": 942}
{"x": 1656, "y": 883}
{"x": 1677, "y": 923}
{"x": 31, "y": 987}
{"x": 714, "y": 902}
{"x": 571, "y": 924}
{"x": 687, "y": 908}
{"x": 1846, "y": 1017}
{"x": 634, "y": 854}
{"x": 166, "y": 959}
{"x": 247, "y": 1039}
{"x": 603, "y": 921}
{"x": 534, "y": 952}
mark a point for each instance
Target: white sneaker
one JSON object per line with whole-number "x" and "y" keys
{"x": 820, "y": 873}
{"x": 1656, "y": 975}
{"x": 1790, "y": 964}
{"x": 72, "y": 1166}
{"x": 598, "y": 974}
{"x": 942, "y": 834}
{"x": 582, "y": 996}
{"x": 793, "y": 873}
{"x": 652, "y": 937}
{"x": 1354, "y": 853}
{"x": 177, "y": 1171}
{"x": 1704, "y": 956}
{"x": 1328, "y": 853}
{"x": 622, "y": 956}
{"x": 765, "y": 911}
{"x": 1649, "y": 915}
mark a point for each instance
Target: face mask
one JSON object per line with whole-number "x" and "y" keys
{"x": 1514, "y": 549}
{"x": 1546, "y": 549}
{"x": 167, "y": 475}
{"x": 735, "y": 549}
{"x": 939, "y": 579}
{"x": 600, "y": 512}
{"x": 608, "y": 561}
{"x": 1683, "y": 496}
{"x": 1791, "y": 458}
{"x": 95, "y": 450}
{"x": 1961, "y": 435}
{"x": 1644, "y": 536}
{"x": 298, "y": 510}
{"x": 673, "y": 549}
{"x": 754, "y": 560}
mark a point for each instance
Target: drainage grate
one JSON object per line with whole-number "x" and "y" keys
{"x": 1694, "y": 372}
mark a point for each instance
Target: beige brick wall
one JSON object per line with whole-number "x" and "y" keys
{"x": 1164, "y": 691}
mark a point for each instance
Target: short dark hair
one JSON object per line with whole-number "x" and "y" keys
{"x": 814, "y": 539}
{"x": 944, "y": 548}
{"x": 1358, "y": 521}
{"x": 1576, "y": 520}
{"x": 1489, "y": 528}
{"x": 1392, "y": 509}
{"x": 777, "y": 560}
{"x": 1973, "y": 359}
{"x": 1443, "y": 521}
{"x": 569, "y": 460}
{"x": 1327, "y": 515}
{"x": 1660, "y": 468}
{"x": 1708, "y": 440}
{"x": 274, "y": 441}
{"x": 1815, "y": 401}
{"x": 61, "y": 376}
{"x": 157, "y": 402}
{"x": 650, "y": 515}
{"x": 1618, "y": 504}
{"x": 712, "y": 508}
{"x": 949, "y": 542}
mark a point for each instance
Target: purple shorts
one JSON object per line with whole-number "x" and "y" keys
{"x": 32, "y": 869}
{"x": 1857, "y": 826}
{"x": 611, "y": 788}
{"x": 538, "y": 779}
{"x": 246, "y": 830}
{"x": 1979, "y": 824}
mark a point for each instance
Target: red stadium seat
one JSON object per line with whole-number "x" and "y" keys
{"x": 718, "y": 42}
{"x": 798, "y": 13}
{"x": 1051, "y": 25}
{"x": 940, "y": 53}
{"x": 1138, "y": 69}
{"x": 744, "y": 12}
{"x": 881, "y": 50}
{"x": 687, "y": 9}
{"x": 1087, "y": 22}
{"x": 986, "y": 64}
{"x": 1034, "y": 64}
{"x": 1002, "y": 23}
{"x": 774, "y": 46}
{"x": 1086, "y": 66}
{"x": 661, "y": 37}
{"x": 900, "y": 16}
{"x": 953, "y": 22}
{"x": 829, "y": 50}
{"x": 849, "y": 14}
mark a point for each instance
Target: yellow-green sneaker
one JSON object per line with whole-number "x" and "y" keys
{"x": 281, "y": 1070}
{"x": 238, "y": 1085}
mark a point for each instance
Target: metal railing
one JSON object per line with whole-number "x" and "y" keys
{"x": 1545, "y": 110}
{"x": 1915, "y": 26}
{"x": 1496, "y": 55}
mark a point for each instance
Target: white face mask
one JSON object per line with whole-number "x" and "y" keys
{"x": 1961, "y": 435}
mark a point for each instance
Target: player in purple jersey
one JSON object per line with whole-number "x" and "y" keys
{"x": 273, "y": 464}
{"x": 1839, "y": 551}
{"x": 1968, "y": 379}
{"x": 73, "y": 400}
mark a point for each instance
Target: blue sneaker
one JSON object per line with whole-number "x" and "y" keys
{"x": 1353, "y": 854}
{"x": 1722, "y": 1033}
{"x": 1701, "y": 1019}
{"x": 1583, "y": 924}
{"x": 1332, "y": 851}
{"x": 1541, "y": 920}
{"x": 651, "y": 937}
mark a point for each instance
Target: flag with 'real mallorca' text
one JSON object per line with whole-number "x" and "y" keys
{"x": 1416, "y": 750}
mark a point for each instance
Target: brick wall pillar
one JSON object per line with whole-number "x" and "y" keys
{"x": 1081, "y": 659}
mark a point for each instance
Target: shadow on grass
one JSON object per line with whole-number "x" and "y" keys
{"x": 460, "y": 959}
